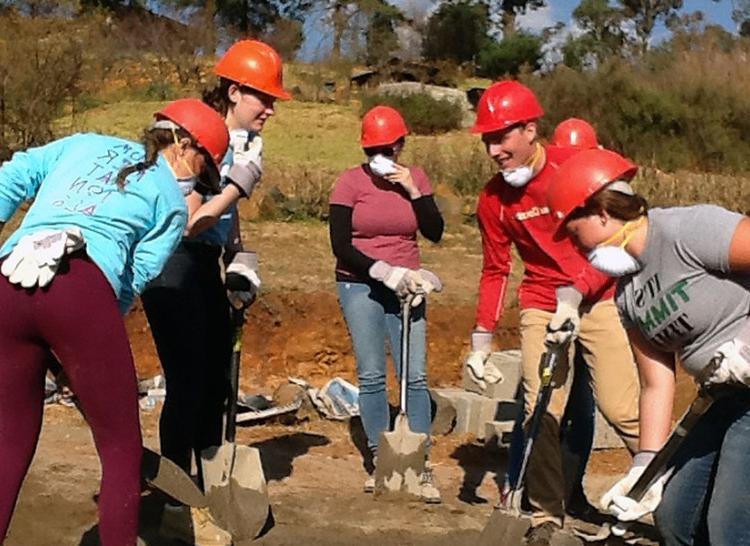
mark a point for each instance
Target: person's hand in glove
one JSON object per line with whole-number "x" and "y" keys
{"x": 481, "y": 347}
{"x": 247, "y": 160}
{"x": 558, "y": 331}
{"x": 242, "y": 280}
{"x": 733, "y": 365}
{"x": 35, "y": 258}
{"x": 403, "y": 281}
{"x": 616, "y": 502}
{"x": 426, "y": 283}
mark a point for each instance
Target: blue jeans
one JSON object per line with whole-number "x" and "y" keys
{"x": 373, "y": 316}
{"x": 714, "y": 458}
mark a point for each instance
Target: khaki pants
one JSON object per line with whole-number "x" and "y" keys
{"x": 614, "y": 381}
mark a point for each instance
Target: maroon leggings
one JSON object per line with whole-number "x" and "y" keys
{"x": 76, "y": 318}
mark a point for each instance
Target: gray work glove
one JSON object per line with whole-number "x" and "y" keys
{"x": 568, "y": 301}
{"x": 242, "y": 280}
{"x": 247, "y": 163}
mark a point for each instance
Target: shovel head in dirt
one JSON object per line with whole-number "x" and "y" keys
{"x": 235, "y": 489}
{"x": 163, "y": 474}
{"x": 504, "y": 529}
{"x": 401, "y": 453}
{"x": 401, "y": 459}
{"x": 233, "y": 478}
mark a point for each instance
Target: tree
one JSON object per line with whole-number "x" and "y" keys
{"x": 380, "y": 34}
{"x": 510, "y": 55}
{"x": 508, "y": 10}
{"x": 601, "y": 34}
{"x": 741, "y": 16}
{"x": 286, "y": 37}
{"x": 457, "y": 31}
{"x": 646, "y": 13}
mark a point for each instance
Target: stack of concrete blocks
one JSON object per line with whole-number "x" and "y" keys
{"x": 489, "y": 412}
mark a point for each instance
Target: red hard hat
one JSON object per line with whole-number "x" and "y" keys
{"x": 575, "y": 133}
{"x": 256, "y": 65}
{"x": 504, "y": 104}
{"x": 381, "y": 126}
{"x": 204, "y": 124}
{"x": 583, "y": 175}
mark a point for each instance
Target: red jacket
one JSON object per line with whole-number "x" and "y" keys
{"x": 520, "y": 216}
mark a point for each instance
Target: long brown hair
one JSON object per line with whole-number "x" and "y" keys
{"x": 218, "y": 97}
{"x": 154, "y": 141}
{"x": 618, "y": 205}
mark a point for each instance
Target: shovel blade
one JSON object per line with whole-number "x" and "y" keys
{"x": 166, "y": 476}
{"x": 401, "y": 459}
{"x": 236, "y": 490}
{"x": 504, "y": 529}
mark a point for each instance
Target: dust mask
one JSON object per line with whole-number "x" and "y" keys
{"x": 614, "y": 260}
{"x": 520, "y": 176}
{"x": 381, "y": 165}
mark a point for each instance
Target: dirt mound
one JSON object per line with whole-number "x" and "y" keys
{"x": 303, "y": 334}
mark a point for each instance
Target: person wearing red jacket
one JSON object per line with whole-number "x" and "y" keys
{"x": 558, "y": 285}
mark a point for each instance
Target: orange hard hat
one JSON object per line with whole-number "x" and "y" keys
{"x": 504, "y": 104}
{"x": 583, "y": 175}
{"x": 382, "y": 125}
{"x": 575, "y": 133}
{"x": 256, "y": 65}
{"x": 204, "y": 124}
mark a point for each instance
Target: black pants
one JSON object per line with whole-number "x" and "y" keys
{"x": 188, "y": 311}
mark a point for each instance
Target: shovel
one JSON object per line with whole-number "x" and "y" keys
{"x": 234, "y": 483}
{"x": 659, "y": 465}
{"x": 401, "y": 453}
{"x": 507, "y": 526}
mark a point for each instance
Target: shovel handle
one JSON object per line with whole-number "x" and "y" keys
{"x": 405, "y": 335}
{"x": 234, "y": 374}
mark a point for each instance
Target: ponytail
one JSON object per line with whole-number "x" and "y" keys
{"x": 154, "y": 141}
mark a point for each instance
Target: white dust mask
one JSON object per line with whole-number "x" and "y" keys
{"x": 381, "y": 165}
{"x": 520, "y": 176}
{"x": 614, "y": 260}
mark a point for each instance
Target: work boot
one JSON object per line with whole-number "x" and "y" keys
{"x": 369, "y": 486}
{"x": 541, "y": 535}
{"x": 192, "y": 526}
{"x": 427, "y": 490}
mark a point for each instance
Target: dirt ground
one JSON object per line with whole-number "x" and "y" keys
{"x": 314, "y": 469}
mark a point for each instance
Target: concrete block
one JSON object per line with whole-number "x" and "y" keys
{"x": 508, "y": 364}
{"x": 474, "y": 410}
{"x": 497, "y": 434}
{"x": 605, "y": 436}
{"x": 443, "y": 414}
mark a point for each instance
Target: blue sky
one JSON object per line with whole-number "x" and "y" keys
{"x": 317, "y": 41}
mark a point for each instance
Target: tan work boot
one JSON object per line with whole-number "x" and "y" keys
{"x": 427, "y": 490}
{"x": 192, "y": 526}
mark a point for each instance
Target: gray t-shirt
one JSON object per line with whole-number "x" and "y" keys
{"x": 684, "y": 299}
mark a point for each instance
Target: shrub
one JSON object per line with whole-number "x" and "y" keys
{"x": 510, "y": 55}
{"x": 423, "y": 113}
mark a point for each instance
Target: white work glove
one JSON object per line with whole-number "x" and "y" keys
{"x": 733, "y": 364}
{"x": 406, "y": 282}
{"x": 35, "y": 258}
{"x": 616, "y": 502}
{"x": 427, "y": 282}
{"x": 247, "y": 160}
{"x": 242, "y": 280}
{"x": 568, "y": 301}
{"x": 476, "y": 363}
